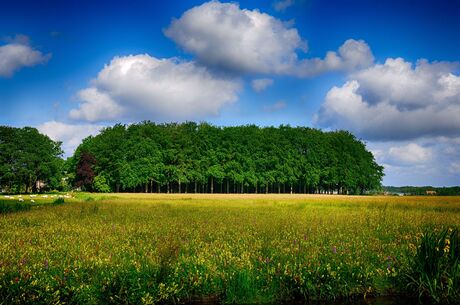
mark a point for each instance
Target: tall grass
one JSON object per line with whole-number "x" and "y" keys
{"x": 146, "y": 249}
{"x": 435, "y": 268}
{"x": 10, "y": 206}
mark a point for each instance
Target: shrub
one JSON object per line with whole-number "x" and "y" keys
{"x": 58, "y": 201}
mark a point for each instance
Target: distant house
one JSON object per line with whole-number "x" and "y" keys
{"x": 430, "y": 192}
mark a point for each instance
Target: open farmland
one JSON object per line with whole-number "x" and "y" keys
{"x": 151, "y": 248}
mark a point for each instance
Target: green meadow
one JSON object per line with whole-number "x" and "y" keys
{"x": 158, "y": 248}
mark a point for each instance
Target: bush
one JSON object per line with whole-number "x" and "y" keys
{"x": 58, "y": 201}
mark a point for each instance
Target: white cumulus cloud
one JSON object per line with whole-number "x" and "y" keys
{"x": 409, "y": 86}
{"x": 261, "y": 84}
{"x": 411, "y": 153}
{"x": 352, "y": 54}
{"x": 142, "y": 87}
{"x": 224, "y": 36}
{"x": 396, "y": 100}
{"x": 228, "y": 38}
{"x": 422, "y": 161}
{"x": 70, "y": 134}
{"x": 96, "y": 106}
{"x": 18, "y": 54}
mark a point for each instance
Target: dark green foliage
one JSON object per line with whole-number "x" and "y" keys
{"x": 10, "y": 206}
{"x": 29, "y": 161}
{"x": 435, "y": 268}
{"x": 58, "y": 201}
{"x": 201, "y": 158}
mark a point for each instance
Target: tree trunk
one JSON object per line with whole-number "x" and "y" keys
{"x": 291, "y": 188}
{"x": 179, "y": 187}
{"x": 212, "y": 185}
{"x": 228, "y": 185}
{"x": 195, "y": 187}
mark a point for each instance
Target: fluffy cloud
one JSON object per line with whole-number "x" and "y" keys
{"x": 409, "y": 86}
{"x": 261, "y": 84}
{"x": 143, "y": 87}
{"x": 18, "y": 54}
{"x": 97, "y": 106}
{"x": 396, "y": 100}
{"x": 70, "y": 135}
{"x": 228, "y": 38}
{"x": 352, "y": 54}
{"x": 422, "y": 161}
{"x": 411, "y": 153}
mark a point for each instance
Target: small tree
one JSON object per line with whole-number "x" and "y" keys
{"x": 85, "y": 173}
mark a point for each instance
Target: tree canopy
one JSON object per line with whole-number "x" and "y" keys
{"x": 28, "y": 160}
{"x": 191, "y": 157}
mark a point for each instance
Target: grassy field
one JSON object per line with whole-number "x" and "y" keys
{"x": 156, "y": 248}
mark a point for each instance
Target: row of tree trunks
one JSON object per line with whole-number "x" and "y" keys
{"x": 228, "y": 187}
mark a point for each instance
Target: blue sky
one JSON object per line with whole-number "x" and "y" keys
{"x": 385, "y": 70}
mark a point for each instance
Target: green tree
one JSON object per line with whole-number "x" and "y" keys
{"x": 204, "y": 158}
{"x": 29, "y": 161}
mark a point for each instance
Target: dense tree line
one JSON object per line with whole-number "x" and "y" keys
{"x": 190, "y": 157}
{"x": 28, "y": 160}
{"x": 422, "y": 190}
